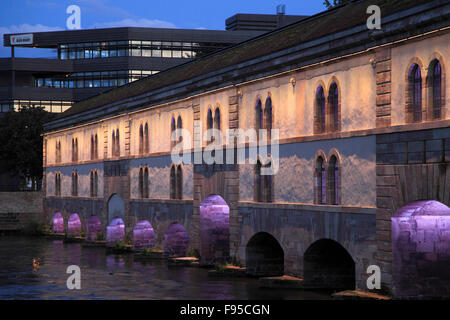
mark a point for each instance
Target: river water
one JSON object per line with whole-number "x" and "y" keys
{"x": 110, "y": 276}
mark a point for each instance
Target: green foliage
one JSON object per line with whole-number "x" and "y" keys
{"x": 82, "y": 234}
{"x": 193, "y": 253}
{"x": 100, "y": 236}
{"x": 220, "y": 267}
{"x": 120, "y": 245}
{"x": 21, "y": 141}
{"x": 149, "y": 251}
{"x": 333, "y": 3}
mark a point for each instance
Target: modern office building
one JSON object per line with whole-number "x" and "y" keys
{"x": 92, "y": 61}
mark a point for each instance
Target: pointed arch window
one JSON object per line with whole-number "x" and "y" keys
{"x": 415, "y": 93}
{"x": 173, "y": 181}
{"x": 263, "y": 183}
{"x": 74, "y": 183}
{"x": 333, "y": 180}
{"x": 117, "y": 146}
{"x": 141, "y": 183}
{"x": 141, "y": 139}
{"x": 333, "y": 100}
{"x": 268, "y": 117}
{"x": 145, "y": 189}
{"x": 320, "y": 181}
{"x": 319, "y": 124}
{"x": 179, "y": 186}
{"x": 58, "y": 152}
{"x": 74, "y": 149}
{"x": 179, "y": 127}
{"x": 146, "y": 139}
{"x": 113, "y": 144}
{"x": 259, "y": 116}
{"x": 57, "y": 184}
{"x": 436, "y": 84}
{"x": 173, "y": 127}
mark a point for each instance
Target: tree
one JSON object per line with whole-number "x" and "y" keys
{"x": 333, "y": 3}
{"x": 21, "y": 142}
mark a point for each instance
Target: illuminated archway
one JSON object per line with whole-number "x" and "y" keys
{"x": 421, "y": 250}
{"x": 58, "y": 223}
{"x": 93, "y": 228}
{"x": 176, "y": 240}
{"x": 74, "y": 225}
{"x": 143, "y": 235}
{"x": 115, "y": 231}
{"x": 327, "y": 265}
{"x": 214, "y": 230}
{"x": 264, "y": 256}
{"x": 116, "y": 208}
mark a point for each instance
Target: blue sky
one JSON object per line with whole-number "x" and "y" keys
{"x": 50, "y": 15}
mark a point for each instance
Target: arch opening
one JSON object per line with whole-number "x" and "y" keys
{"x": 264, "y": 256}
{"x": 327, "y": 265}
{"x": 115, "y": 231}
{"x": 421, "y": 250}
{"x": 74, "y": 225}
{"x": 214, "y": 230}
{"x": 116, "y": 208}
{"x": 143, "y": 235}
{"x": 176, "y": 240}
{"x": 58, "y": 223}
{"x": 93, "y": 228}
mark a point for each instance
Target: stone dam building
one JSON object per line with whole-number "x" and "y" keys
{"x": 363, "y": 158}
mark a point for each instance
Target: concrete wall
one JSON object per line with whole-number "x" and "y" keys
{"x": 19, "y": 208}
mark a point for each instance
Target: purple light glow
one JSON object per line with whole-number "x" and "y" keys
{"x": 143, "y": 235}
{"x": 214, "y": 229}
{"x": 74, "y": 225}
{"x": 421, "y": 249}
{"x": 176, "y": 240}
{"x": 93, "y": 228}
{"x": 58, "y": 223}
{"x": 115, "y": 232}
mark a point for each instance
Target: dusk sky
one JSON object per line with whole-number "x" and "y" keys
{"x": 50, "y": 15}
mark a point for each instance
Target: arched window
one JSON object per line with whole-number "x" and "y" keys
{"x": 179, "y": 187}
{"x": 268, "y": 194}
{"x": 58, "y": 152}
{"x": 95, "y": 183}
{"x": 92, "y": 147}
{"x": 146, "y": 139}
{"x": 436, "y": 88}
{"x": 319, "y": 123}
{"x": 415, "y": 93}
{"x": 146, "y": 182}
{"x": 209, "y": 126}
{"x": 113, "y": 144}
{"x": 333, "y": 101}
{"x": 57, "y": 184}
{"x": 76, "y": 149}
{"x": 179, "y": 126}
{"x": 173, "y": 127}
{"x": 141, "y": 139}
{"x": 117, "y": 143}
{"x": 259, "y": 116}
{"x": 320, "y": 181}
{"x": 259, "y": 192}
{"x": 217, "y": 123}
{"x": 74, "y": 184}
{"x": 141, "y": 183}
{"x": 95, "y": 147}
{"x": 268, "y": 117}
{"x": 173, "y": 192}
{"x": 91, "y": 180}
{"x": 333, "y": 180}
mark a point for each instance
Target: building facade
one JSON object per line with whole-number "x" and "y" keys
{"x": 363, "y": 130}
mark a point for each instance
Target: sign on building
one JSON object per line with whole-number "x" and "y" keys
{"x": 21, "y": 39}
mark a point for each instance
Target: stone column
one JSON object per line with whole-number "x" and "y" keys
{"x": 383, "y": 80}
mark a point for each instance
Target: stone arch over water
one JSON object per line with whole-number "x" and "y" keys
{"x": 421, "y": 250}
{"x": 214, "y": 230}
{"x": 328, "y": 265}
{"x": 93, "y": 228}
{"x": 143, "y": 235}
{"x": 57, "y": 223}
{"x": 74, "y": 225}
{"x": 115, "y": 231}
{"x": 176, "y": 240}
{"x": 116, "y": 208}
{"x": 264, "y": 256}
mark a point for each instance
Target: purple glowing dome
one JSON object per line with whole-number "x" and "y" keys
{"x": 143, "y": 235}
{"x": 74, "y": 225}
{"x": 58, "y": 223}
{"x": 115, "y": 231}
{"x": 93, "y": 228}
{"x": 423, "y": 208}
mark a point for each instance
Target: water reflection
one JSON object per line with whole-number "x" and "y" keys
{"x": 109, "y": 276}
